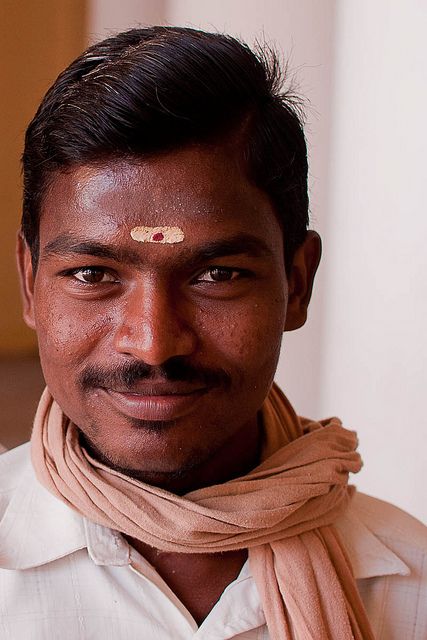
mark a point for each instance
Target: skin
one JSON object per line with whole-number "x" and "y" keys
{"x": 221, "y": 313}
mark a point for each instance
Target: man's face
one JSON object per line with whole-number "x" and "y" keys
{"x": 160, "y": 353}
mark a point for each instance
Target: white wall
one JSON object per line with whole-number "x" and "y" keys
{"x": 108, "y": 16}
{"x": 375, "y": 344}
{"x": 362, "y": 354}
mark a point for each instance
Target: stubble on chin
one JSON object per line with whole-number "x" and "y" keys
{"x": 182, "y": 476}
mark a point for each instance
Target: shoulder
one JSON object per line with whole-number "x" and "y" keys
{"x": 387, "y": 549}
{"x": 389, "y": 523}
{"x": 35, "y": 526}
{"x": 13, "y": 464}
{"x": 381, "y": 539}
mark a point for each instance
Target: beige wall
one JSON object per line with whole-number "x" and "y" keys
{"x": 37, "y": 39}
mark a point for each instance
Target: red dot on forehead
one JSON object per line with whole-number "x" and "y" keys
{"x": 157, "y": 237}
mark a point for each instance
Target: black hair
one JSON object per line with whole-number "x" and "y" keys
{"x": 152, "y": 90}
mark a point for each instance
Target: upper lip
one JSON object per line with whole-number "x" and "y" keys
{"x": 161, "y": 388}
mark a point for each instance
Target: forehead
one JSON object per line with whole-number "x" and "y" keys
{"x": 203, "y": 191}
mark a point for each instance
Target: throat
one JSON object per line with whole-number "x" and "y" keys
{"x": 198, "y": 580}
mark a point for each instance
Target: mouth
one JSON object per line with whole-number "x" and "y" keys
{"x": 163, "y": 402}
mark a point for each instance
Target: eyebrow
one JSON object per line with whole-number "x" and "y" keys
{"x": 66, "y": 245}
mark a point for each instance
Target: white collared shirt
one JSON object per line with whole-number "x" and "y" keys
{"x": 63, "y": 577}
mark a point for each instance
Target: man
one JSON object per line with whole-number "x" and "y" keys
{"x": 172, "y": 491}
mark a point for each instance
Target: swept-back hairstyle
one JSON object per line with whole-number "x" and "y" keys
{"x": 153, "y": 90}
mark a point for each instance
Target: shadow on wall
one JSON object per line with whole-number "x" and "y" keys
{"x": 20, "y": 390}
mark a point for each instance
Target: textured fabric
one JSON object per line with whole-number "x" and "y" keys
{"x": 64, "y": 578}
{"x": 281, "y": 512}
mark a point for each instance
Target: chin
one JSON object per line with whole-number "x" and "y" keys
{"x": 179, "y": 480}
{"x": 133, "y": 460}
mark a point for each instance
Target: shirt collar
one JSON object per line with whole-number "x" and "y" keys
{"x": 38, "y": 528}
{"x": 368, "y": 554}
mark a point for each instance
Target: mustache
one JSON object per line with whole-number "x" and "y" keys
{"x": 173, "y": 370}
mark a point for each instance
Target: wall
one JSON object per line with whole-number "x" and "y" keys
{"x": 375, "y": 345}
{"x": 109, "y": 16}
{"x": 37, "y": 39}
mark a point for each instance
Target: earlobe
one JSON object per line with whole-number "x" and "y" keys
{"x": 26, "y": 279}
{"x": 300, "y": 281}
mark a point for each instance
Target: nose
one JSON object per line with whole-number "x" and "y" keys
{"x": 155, "y": 325}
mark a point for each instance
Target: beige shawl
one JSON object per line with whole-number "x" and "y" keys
{"x": 282, "y": 512}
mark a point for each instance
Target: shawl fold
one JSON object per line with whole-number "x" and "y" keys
{"x": 282, "y": 512}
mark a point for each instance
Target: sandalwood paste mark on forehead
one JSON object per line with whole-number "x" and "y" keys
{"x": 157, "y": 235}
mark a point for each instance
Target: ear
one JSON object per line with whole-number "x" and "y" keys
{"x": 300, "y": 280}
{"x": 26, "y": 278}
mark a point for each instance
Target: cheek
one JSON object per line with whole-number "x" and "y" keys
{"x": 67, "y": 331}
{"x": 247, "y": 337}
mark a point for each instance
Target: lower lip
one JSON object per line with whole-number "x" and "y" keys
{"x": 160, "y": 408}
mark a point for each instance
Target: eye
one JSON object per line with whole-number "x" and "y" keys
{"x": 219, "y": 274}
{"x": 93, "y": 275}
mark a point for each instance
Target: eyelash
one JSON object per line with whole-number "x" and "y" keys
{"x": 240, "y": 273}
{"x": 230, "y": 271}
{"x": 102, "y": 270}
